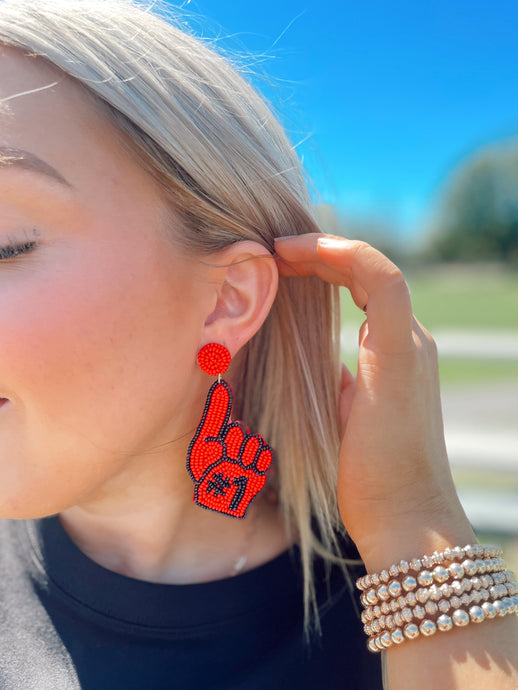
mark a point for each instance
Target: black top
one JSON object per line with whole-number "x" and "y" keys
{"x": 68, "y": 623}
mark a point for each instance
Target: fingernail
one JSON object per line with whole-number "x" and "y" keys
{"x": 285, "y": 237}
{"x": 331, "y": 242}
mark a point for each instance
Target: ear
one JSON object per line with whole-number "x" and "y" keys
{"x": 246, "y": 284}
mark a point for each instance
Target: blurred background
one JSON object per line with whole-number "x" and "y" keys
{"x": 406, "y": 118}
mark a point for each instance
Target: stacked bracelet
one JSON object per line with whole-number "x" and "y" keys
{"x": 443, "y": 583}
{"x": 456, "y": 554}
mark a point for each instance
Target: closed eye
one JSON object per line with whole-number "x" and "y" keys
{"x": 12, "y": 250}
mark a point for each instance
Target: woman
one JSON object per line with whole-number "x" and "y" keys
{"x": 151, "y": 206}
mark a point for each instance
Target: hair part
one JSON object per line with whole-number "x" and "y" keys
{"x": 228, "y": 173}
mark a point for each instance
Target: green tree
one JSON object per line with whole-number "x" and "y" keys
{"x": 477, "y": 219}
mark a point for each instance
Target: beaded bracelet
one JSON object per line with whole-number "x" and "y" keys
{"x": 425, "y": 578}
{"x": 440, "y": 584}
{"x": 495, "y": 587}
{"x": 458, "y": 553}
{"x": 418, "y": 612}
{"x": 444, "y": 623}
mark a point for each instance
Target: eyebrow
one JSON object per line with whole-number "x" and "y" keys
{"x": 15, "y": 157}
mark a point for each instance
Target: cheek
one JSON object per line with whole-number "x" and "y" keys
{"x": 95, "y": 359}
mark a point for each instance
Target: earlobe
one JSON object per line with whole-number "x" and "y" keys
{"x": 247, "y": 285}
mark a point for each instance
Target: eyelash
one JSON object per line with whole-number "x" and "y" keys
{"x": 12, "y": 250}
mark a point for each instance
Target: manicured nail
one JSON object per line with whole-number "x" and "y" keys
{"x": 331, "y": 242}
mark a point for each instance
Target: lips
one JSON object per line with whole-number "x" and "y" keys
{"x": 3, "y": 401}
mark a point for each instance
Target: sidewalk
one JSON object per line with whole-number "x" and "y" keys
{"x": 481, "y": 431}
{"x": 480, "y": 344}
{"x": 481, "y": 424}
{"x": 464, "y": 344}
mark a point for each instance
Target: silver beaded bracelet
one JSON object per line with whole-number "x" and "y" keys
{"x": 444, "y": 582}
{"x": 440, "y": 575}
{"x": 449, "y": 555}
{"x": 407, "y": 612}
{"x": 496, "y": 585}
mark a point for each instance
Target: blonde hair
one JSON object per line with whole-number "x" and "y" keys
{"x": 227, "y": 169}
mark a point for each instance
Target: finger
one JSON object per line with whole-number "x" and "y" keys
{"x": 234, "y": 440}
{"x": 346, "y": 379}
{"x": 373, "y": 280}
{"x": 264, "y": 460}
{"x": 335, "y": 276}
{"x": 216, "y": 414}
{"x": 347, "y": 391}
{"x": 298, "y": 256}
{"x": 251, "y": 447}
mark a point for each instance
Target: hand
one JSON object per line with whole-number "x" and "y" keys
{"x": 227, "y": 464}
{"x": 393, "y": 467}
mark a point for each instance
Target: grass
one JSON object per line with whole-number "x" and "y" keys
{"x": 474, "y": 371}
{"x": 463, "y": 371}
{"x": 478, "y": 298}
{"x": 458, "y": 297}
{"x": 467, "y": 477}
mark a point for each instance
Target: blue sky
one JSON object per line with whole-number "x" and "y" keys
{"x": 392, "y": 95}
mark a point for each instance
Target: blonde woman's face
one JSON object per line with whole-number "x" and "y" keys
{"x": 100, "y": 317}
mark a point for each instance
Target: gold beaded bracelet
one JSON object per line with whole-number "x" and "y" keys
{"x": 444, "y": 623}
{"x": 440, "y": 584}
{"x": 431, "y": 608}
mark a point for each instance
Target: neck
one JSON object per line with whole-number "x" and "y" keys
{"x": 151, "y": 530}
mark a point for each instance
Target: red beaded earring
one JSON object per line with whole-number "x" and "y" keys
{"x": 225, "y": 461}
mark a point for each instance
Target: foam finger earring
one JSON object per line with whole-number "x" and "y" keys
{"x": 226, "y": 462}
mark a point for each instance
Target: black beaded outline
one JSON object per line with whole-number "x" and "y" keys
{"x": 202, "y": 422}
{"x": 263, "y": 446}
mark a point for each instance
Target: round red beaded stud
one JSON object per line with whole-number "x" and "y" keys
{"x": 227, "y": 463}
{"x": 214, "y": 359}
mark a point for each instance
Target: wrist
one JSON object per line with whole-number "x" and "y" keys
{"x": 414, "y": 537}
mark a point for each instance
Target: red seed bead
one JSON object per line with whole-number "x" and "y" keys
{"x": 214, "y": 359}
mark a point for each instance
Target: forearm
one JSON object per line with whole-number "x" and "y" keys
{"x": 483, "y": 655}
{"x": 477, "y": 656}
